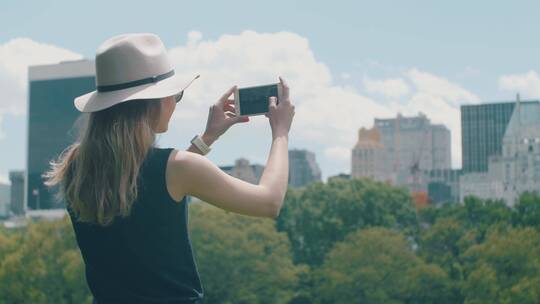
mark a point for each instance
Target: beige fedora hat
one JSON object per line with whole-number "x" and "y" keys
{"x": 128, "y": 67}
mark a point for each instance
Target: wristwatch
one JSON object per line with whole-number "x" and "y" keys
{"x": 200, "y": 144}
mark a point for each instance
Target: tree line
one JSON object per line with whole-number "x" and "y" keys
{"x": 344, "y": 241}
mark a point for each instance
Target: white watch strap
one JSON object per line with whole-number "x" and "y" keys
{"x": 200, "y": 144}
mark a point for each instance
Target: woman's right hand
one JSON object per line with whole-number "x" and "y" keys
{"x": 280, "y": 115}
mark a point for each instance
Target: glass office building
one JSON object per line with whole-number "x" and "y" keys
{"x": 482, "y": 130}
{"x": 16, "y": 198}
{"x": 303, "y": 168}
{"x": 51, "y": 121}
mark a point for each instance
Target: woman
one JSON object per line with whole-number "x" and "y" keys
{"x": 126, "y": 197}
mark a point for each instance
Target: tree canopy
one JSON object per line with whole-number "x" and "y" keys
{"x": 345, "y": 241}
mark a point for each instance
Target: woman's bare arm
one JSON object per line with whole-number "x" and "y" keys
{"x": 194, "y": 174}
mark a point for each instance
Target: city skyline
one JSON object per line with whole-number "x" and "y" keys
{"x": 389, "y": 65}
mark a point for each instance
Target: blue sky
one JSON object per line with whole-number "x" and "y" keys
{"x": 348, "y": 62}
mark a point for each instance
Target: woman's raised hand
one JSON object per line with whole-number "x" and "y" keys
{"x": 280, "y": 114}
{"x": 222, "y": 115}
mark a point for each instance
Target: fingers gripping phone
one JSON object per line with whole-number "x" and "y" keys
{"x": 252, "y": 101}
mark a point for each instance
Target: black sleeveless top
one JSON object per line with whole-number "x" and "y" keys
{"x": 147, "y": 256}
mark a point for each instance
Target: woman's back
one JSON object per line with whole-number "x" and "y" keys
{"x": 147, "y": 256}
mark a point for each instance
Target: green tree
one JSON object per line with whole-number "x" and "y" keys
{"x": 505, "y": 268}
{"x": 377, "y": 265}
{"x": 474, "y": 213}
{"x": 527, "y": 210}
{"x": 241, "y": 259}
{"x": 443, "y": 244}
{"x": 44, "y": 265}
{"x": 317, "y": 216}
{"x": 482, "y": 214}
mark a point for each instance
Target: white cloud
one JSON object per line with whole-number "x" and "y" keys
{"x": 438, "y": 86}
{"x": 528, "y": 84}
{"x": 194, "y": 37}
{"x": 16, "y": 56}
{"x": 4, "y": 180}
{"x": 392, "y": 87}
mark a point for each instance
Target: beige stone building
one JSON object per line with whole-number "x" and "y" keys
{"x": 369, "y": 156}
{"x": 243, "y": 170}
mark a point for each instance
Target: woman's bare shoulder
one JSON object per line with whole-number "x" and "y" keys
{"x": 181, "y": 166}
{"x": 177, "y": 159}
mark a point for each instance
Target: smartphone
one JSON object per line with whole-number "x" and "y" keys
{"x": 252, "y": 101}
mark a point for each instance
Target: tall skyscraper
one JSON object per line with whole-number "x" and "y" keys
{"x": 482, "y": 130}
{"x": 303, "y": 168}
{"x": 51, "y": 118}
{"x": 16, "y": 196}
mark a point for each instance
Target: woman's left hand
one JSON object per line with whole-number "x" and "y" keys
{"x": 222, "y": 115}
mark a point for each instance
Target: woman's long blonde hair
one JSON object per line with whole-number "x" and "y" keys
{"x": 97, "y": 175}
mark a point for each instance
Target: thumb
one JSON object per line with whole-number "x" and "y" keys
{"x": 272, "y": 102}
